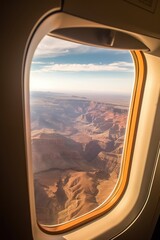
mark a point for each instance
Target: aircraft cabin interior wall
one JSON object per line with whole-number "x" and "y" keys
{"x": 136, "y": 28}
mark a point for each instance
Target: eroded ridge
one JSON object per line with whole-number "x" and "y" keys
{"x": 77, "y": 145}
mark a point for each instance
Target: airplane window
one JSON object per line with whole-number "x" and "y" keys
{"x": 80, "y": 99}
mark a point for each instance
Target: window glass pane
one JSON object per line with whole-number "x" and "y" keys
{"x": 79, "y": 102}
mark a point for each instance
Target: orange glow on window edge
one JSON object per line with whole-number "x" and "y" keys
{"x": 135, "y": 106}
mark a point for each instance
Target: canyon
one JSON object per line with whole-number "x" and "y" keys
{"x": 77, "y": 146}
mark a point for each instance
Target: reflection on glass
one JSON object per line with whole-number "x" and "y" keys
{"x": 79, "y": 100}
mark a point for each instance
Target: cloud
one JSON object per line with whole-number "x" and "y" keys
{"x": 116, "y": 66}
{"x": 53, "y": 47}
{"x": 38, "y": 62}
{"x": 50, "y": 47}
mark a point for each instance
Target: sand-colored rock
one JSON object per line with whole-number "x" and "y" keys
{"x": 77, "y": 146}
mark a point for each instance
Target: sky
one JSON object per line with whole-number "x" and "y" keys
{"x": 63, "y": 66}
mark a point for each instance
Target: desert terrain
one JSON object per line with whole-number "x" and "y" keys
{"x": 77, "y": 144}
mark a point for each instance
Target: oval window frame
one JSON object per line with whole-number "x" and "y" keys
{"x": 45, "y": 27}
